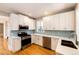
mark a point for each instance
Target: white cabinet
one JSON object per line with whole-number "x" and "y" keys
{"x": 14, "y": 21}
{"x": 14, "y": 44}
{"x": 62, "y": 21}
{"x": 40, "y": 40}
{"x": 34, "y": 38}
{"x": 55, "y": 22}
{"x": 37, "y": 39}
{"x": 54, "y": 42}
{"x": 17, "y": 19}
{"x": 51, "y": 22}
{"x": 39, "y": 25}
{"x": 21, "y": 19}
{"x": 67, "y": 21}
{"x": 31, "y": 24}
{"x": 24, "y": 20}
{"x": 47, "y": 22}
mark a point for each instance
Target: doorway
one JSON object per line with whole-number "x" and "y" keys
{"x": 1, "y": 34}
{"x": 1, "y": 30}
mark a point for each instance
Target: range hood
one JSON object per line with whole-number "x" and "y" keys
{"x": 23, "y": 27}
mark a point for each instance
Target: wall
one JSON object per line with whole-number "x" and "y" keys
{"x": 77, "y": 21}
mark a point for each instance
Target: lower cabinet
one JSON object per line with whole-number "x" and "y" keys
{"x": 54, "y": 42}
{"x": 37, "y": 39}
{"x": 48, "y": 42}
{"x": 14, "y": 44}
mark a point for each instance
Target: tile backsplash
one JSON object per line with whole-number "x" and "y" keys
{"x": 15, "y": 32}
{"x": 48, "y": 32}
{"x": 58, "y": 33}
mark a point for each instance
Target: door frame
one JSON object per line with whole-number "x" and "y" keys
{"x": 3, "y": 30}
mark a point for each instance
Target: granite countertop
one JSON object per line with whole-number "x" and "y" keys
{"x": 48, "y": 35}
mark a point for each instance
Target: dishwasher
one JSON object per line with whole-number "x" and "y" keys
{"x": 47, "y": 42}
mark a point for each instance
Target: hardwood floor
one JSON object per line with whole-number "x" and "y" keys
{"x": 33, "y": 49}
{"x": 4, "y": 47}
{"x": 36, "y": 50}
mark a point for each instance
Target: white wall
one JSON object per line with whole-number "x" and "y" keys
{"x": 77, "y": 21}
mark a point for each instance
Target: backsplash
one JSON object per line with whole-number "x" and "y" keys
{"x": 15, "y": 32}
{"x": 48, "y": 32}
{"x": 58, "y": 33}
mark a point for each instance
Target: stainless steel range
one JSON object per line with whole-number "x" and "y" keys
{"x": 25, "y": 38}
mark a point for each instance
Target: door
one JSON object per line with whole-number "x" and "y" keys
{"x": 47, "y": 42}
{"x": 1, "y": 30}
{"x": 1, "y": 35}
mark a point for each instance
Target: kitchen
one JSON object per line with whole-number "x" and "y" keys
{"x": 57, "y": 30}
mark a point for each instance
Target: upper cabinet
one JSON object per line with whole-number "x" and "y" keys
{"x": 27, "y": 21}
{"x": 14, "y": 21}
{"x": 39, "y": 25}
{"x": 62, "y": 21}
{"x": 67, "y": 21}
{"x": 17, "y": 19}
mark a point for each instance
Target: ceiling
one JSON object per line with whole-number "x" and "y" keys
{"x": 35, "y": 10}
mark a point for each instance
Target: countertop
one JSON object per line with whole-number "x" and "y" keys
{"x": 52, "y": 36}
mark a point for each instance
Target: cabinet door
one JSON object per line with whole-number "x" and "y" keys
{"x": 46, "y": 23}
{"x": 37, "y": 39}
{"x": 17, "y": 44}
{"x": 34, "y": 39}
{"x": 56, "y": 22}
{"x": 14, "y": 22}
{"x": 32, "y": 24}
{"x": 54, "y": 42}
{"x": 51, "y": 23}
{"x": 62, "y": 22}
{"x": 14, "y": 44}
{"x": 70, "y": 21}
{"x": 10, "y": 44}
{"x": 21, "y": 20}
{"x": 40, "y": 40}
